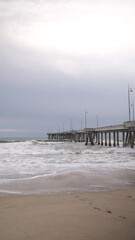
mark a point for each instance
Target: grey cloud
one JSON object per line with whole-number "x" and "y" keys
{"x": 41, "y": 90}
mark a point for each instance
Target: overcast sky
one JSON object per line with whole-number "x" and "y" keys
{"x": 60, "y": 58}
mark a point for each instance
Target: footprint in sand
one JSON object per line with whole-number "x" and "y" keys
{"x": 122, "y": 217}
{"x": 81, "y": 199}
{"x": 76, "y": 196}
{"x": 97, "y": 208}
{"x": 108, "y": 211}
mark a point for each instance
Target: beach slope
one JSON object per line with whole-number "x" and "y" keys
{"x": 77, "y": 216}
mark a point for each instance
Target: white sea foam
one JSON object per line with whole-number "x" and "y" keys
{"x": 31, "y": 159}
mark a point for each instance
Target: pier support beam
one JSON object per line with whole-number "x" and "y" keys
{"x": 133, "y": 140}
{"x": 105, "y": 138}
{"x": 92, "y": 136}
{"x": 86, "y": 142}
{"x": 117, "y": 139}
{"x": 98, "y": 138}
{"x": 114, "y": 139}
{"x": 101, "y": 138}
{"x": 123, "y": 138}
{"x": 128, "y": 136}
{"x": 109, "y": 139}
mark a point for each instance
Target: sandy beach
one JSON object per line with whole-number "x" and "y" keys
{"x": 77, "y": 216}
{"x": 66, "y": 191}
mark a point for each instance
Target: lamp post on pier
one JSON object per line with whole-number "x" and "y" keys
{"x": 132, "y": 105}
{"x": 86, "y": 119}
{"x": 71, "y": 128}
{"x": 81, "y": 124}
{"x": 129, "y": 105}
{"x": 63, "y": 126}
{"x": 97, "y": 120}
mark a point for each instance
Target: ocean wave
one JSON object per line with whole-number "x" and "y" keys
{"x": 35, "y": 158}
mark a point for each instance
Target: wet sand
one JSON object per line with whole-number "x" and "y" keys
{"x": 77, "y": 216}
{"x": 94, "y": 205}
{"x": 69, "y": 182}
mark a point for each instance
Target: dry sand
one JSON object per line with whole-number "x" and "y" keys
{"x": 80, "y": 216}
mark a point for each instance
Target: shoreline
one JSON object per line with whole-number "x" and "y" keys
{"x": 71, "y": 182}
{"x": 75, "y": 216}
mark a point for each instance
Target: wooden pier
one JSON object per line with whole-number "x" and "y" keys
{"x": 108, "y": 135}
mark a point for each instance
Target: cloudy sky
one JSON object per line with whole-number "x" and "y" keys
{"x": 60, "y": 58}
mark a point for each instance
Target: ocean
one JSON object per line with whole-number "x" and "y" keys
{"x": 40, "y": 166}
